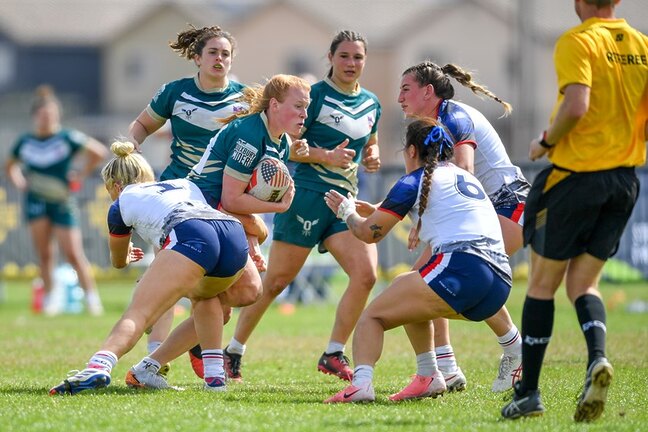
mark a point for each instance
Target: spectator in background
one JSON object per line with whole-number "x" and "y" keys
{"x": 193, "y": 106}
{"x": 341, "y": 130}
{"x": 578, "y": 207}
{"x": 426, "y": 90}
{"x": 40, "y": 165}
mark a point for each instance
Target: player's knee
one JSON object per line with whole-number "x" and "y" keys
{"x": 364, "y": 279}
{"x": 241, "y": 295}
{"x": 275, "y": 285}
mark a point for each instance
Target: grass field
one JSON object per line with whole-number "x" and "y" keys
{"x": 283, "y": 391}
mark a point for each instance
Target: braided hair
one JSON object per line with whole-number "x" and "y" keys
{"x": 430, "y": 73}
{"x": 433, "y": 144}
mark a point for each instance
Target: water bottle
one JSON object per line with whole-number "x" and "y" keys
{"x": 37, "y": 295}
{"x": 69, "y": 293}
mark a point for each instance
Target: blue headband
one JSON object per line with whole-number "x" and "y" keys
{"x": 439, "y": 135}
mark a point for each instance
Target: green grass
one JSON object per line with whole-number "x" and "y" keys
{"x": 283, "y": 391}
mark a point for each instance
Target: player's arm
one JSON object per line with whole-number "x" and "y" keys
{"x": 371, "y": 229}
{"x": 15, "y": 174}
{"x": 340, "y": 156}
{"x": 234, "y": 199}
{"x": 122, "y": 251}
{"x": 573, "y": 107}
{"x": 252, "y": 224}
{"x": 143, "y": 126}
{"x": 95, "y": 152}
{"x": 365, "y": 208}
{"x": 464, "y": 156}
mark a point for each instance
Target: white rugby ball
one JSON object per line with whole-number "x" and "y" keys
{"x": 270, "y": 180}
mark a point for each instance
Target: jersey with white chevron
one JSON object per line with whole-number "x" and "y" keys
{"x": 236, "y": 150}
{"x": 194, "y": 114}
{"x": 334, "y": 116}
{"x": 47, "y": 161}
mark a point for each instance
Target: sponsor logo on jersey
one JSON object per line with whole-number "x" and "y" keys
{"x": 244, "y": 153}
{"x": 307, "y": 225}
{"x": 337, "y": 118}
{"x": 188, "y": 112}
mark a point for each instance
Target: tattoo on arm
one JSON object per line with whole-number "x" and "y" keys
{"x": 376, "y": 231}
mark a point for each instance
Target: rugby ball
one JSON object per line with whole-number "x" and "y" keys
{"x": 270, "y": 180}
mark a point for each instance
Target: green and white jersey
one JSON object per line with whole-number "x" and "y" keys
{"x": 334, "y": 116}
{"x": 236, "y": 150}
{"x": 47, "y": 161}
{"x": 194, "y": 114}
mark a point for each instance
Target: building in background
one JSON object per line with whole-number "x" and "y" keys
{"x": 106, "y": 59}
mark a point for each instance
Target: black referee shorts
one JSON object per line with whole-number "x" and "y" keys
{"x": 569, "y": 213}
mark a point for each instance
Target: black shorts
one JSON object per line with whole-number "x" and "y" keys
{"x": 569, "y": 213}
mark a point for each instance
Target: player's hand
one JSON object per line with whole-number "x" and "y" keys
{"x": 227, "y": 313}
{"x": 256, "y": 255}
{"x": 371, "y": 160}
{"x": 287, "y": 199}
{"x": 134, "y": 253}
{"x": 364, "y": 208}
{"x": 341, "y": 156}
{"x": 300, "y": 148}
{"x": 342, "y": 206}
{"x": 412, "y": 239}
{"x": 536, "y": 151}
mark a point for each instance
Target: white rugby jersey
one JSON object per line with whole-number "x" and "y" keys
{"x": 458, "y": 209}
{"x": 492, "y": 165}
{"x": 151, "y": 209}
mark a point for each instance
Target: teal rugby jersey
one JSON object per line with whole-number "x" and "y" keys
{"x": 194, "y": 115}
{"x": 47, "y": 161}
{"x": 236, "y": 149}
{"x": 334, "y": 116}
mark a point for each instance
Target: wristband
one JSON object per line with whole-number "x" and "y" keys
{"x": 543, "y": 142}
{"x": 347, "y": 208}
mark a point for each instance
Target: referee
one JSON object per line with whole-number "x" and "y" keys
{"x": 578, "y": 207}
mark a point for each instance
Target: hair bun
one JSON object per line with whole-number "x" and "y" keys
{"x": 122, "y": 148}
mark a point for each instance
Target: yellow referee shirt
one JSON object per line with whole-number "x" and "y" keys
{"x": 611, "y": 58}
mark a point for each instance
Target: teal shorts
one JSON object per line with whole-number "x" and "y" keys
{"x": 307, "y": 222}
{"x": 64, "y": 213}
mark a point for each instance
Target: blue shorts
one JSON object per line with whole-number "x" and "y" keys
{"x": 510, "y": 199}
{"x": 218, "y": 246}
{"x": 513, "y": 212}
{"x": 467, "y": 283}
{"x": 65, "y": 213}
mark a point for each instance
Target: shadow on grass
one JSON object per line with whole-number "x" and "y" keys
{"x": 44, "y": 391}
